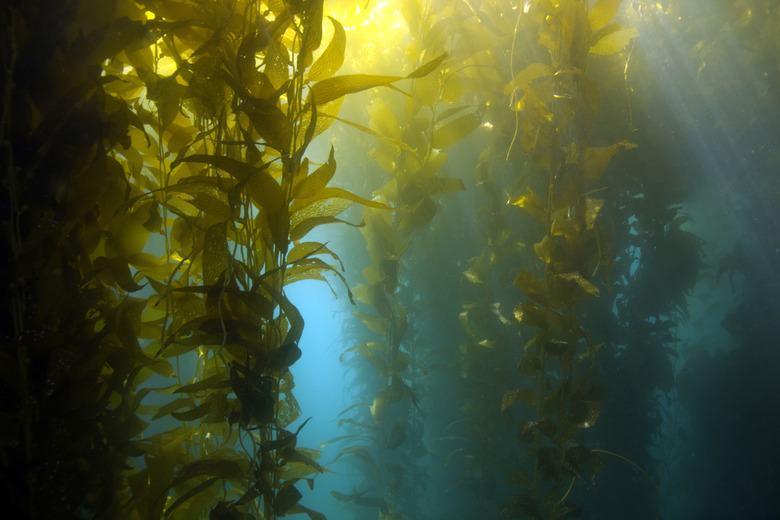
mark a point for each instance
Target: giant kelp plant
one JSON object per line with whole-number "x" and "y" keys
{"x": 412, "y": 152}
{"x": 559, "y": 103}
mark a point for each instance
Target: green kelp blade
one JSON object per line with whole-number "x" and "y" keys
{"x": 339, "y": 86}
{"x": 373, "y": 322}
{"x": 397, "y": 434}
{"x": 316, "y": 213}
{"x": 301, "y": 211}
{"x": 303, "y": 455}
{"x": 545, "y": 249}
{"x": 293, "y": 471}
{"x": 116, "y": 270}
{"x": 598, "y": 158}
{"x": 301, "y": 143}
{"x": 592, "y": 210}
{"x": 189, "y": 494}
{"x": 583, "y": 283}
{"x": 261, "y": 187}
{"x": 239, "y": 170}
{"x": 448, "y": 134}
{"x": 174, "y": 405}
{"x": 383, "y": 120}
{"x": 532, "y": 315}
{"x": 602, "y": 12}
{"x": 264, "y": 191}
{"x": 526, "y": 395}
{"x": 311, "y": 17}
{"x": 309, "y": 269}
{"x": 307, "y": 249}
{"x": 332, "y": 57}
{"x": 525, "y": 77}
{"x": 285, "y": 356}
{"x": 216, "y": 255}
{"x": 362, "y": 452}
{"x": 372, "y": 351}
{"x": 333, "y": 192}
{"x": 215, "y": 465}
{"x": 288, "y": 410}
{"x": 612, "y": 40}
{"x": 370, "y": 132}
{"x": 375, "y": 296}
{"x": 287, "y": 497}
{"x": 215, "y": 381}
{"x": 311, "y": 185}
{"x": 270, "y": 122}
{"x": 300, "y": 230}
{"x": 294, "y": 317}
{"x": 209, "y": 194}
{"x": 348, "y": 408}
{"x": 428, "y": 67}
{"x": 584, "y": 413}
{"x": 341, "y": 496}
{"x": 315, "y": 269}
{"x": 443, "y": 116}
{"x": 193, "y": 413}
{"x": 530, "y": 202}
{"x": 533, "y": 287}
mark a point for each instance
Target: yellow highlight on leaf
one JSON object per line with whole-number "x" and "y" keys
{"x": 584, "y": 284}
{"x": 530, "y": 202}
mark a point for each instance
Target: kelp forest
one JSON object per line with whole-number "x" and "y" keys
{"x": 543, "y": 233}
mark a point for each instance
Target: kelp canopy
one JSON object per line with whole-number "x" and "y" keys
{"x": 516, "y": 283}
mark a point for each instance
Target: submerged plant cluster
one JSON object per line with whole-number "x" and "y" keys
{"x": 159, "y": 188}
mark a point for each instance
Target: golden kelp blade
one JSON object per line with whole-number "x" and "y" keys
{"x": 446, "y": 135}
{"x": 332, "y": 57}
{"x": 338, "y": 86}
{"x": 602, "y": 12}
{"x": 530, "y": 202}
{"x": 613, "y": 41}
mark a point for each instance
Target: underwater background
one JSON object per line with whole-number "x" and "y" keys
{"x": 396, "y": 260}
